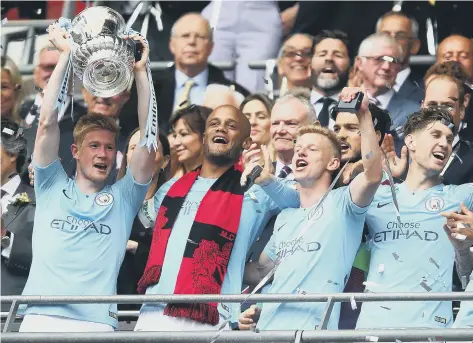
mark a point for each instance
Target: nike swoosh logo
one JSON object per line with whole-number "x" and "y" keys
{"x": 64, "y": 192}
{"x": 382, "y": 205}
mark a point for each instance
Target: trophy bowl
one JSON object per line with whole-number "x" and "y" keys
{"x": 101, "y": 58}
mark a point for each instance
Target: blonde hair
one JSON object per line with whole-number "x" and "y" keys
{"x": 92, "y": 122}
{"x": 10, "y": 67}
{"x": 316, "y": 128}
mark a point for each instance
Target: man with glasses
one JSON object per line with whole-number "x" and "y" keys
{"x": 329, "y": 72}
{"x": 404, "y": 29}
{"x": 185, "y": 82}
{"x": 294, "y": 62}
{"x": 379, "y": 61}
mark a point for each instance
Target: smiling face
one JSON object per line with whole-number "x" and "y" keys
{"x": 260, "y": 121}
{"x": 95, "y": 155}
{"x": 186, "y": 143}
{"x": 9, "y": 94}
{"x": 431, "y": 147}
{"x": 330, "y": 65}
{"x": 294, "y": 62}
{"x": 347, "y": 129}
{"x": 457, "y": 48}
{"x": 286, "y": 118}
{"x": 48, "y": 58}
{"x": 313, "y": 157}
{"x": 227, "y": 133}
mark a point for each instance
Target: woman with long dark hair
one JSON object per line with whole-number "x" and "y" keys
{"x": 139, "y": 243}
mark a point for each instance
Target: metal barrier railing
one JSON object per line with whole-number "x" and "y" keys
{"x": 329, "y": 298}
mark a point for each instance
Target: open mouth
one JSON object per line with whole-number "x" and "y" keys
{"x": 439, "y": 155}
{"x": 219, "y": 140}
{"x": 344, "y": 147}
{"x": 100, "y": 166}
{"x": 300, "y": 164}
{"x": 328, "y": 70}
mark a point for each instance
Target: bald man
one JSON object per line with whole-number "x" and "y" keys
{"x": 457, "y": 48}
{"x": 184, "y": 83}
{"x": 209, "y": 222}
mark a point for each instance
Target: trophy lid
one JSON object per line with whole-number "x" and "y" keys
{"x": 95, "y": 21}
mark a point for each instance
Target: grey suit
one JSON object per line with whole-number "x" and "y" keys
{"x": 14, "y": 270}
{"x": 400, "y": 109}
{"x": 411, "y": 89}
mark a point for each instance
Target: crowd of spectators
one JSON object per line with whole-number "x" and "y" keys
{"x": 196, "y": 101}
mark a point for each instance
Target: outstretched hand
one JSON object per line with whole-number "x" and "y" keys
{"x": 59, "y": 38}
{"x": 397, "y": 165}
{"x": 349, "y": 93}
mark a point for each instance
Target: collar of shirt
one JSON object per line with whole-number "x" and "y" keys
{"x": 12, "y": 184}
{"x": 316, "y": 96}
{"x": 200, "y": 79}
{"x": 385, "y": 98}
{"x": 401, "y": 78}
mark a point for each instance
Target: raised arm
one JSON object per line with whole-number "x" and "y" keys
{"x": 47, "y": 137}
{"x": 142, "y": 163}
{"x": 365, "y": 184}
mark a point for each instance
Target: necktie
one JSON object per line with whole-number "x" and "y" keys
{"x": 285, "y": 171}
{"x": 323, "y": 116}
{"x": 184, "y": 99}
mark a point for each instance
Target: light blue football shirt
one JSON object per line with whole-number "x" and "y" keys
{"x": 415, "y": 256}
{"x": 79, "y": 242}
{"x": 318, "y": 262}
{"x": 465, "y": 315}
{"x": 257, "y": 209}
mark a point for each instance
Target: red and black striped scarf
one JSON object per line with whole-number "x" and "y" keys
{"x": 209, "y": 245}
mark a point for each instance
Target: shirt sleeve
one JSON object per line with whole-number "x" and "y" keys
{"x": 270, "y": 248}
{"x": 161, "y": 193}
{"x": 283, "y": 193}
{"x": 46, "y": 177}
{"x": 347, "y": 202}
{"x": 132, "y": 191}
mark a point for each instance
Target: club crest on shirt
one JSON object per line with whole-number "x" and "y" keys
{"x": 104, "y": 199}
{"x": 315, "y": 214}
{"x": 434, "y": 204}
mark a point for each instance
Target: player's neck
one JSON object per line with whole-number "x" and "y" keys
{"x": 311, "y": 194}
{"x": 214, "y": 171}
{"x": 87, "y": 186}
{"x": 418, "y": 179}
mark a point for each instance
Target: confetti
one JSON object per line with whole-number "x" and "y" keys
{"x": 258, "y": 211}
{"x": 245, "y": 291}
{"x": 381, "y": 268}
{"x": 425, "y": 286}
{"x": 335, "y": 283}
{"x": 353, "y": 303}
{"x": 431, "y": 260}
{"x": 369, "y": 155}
{"x": 372, "y": 338}
{"x": 459, "y": 236}
{"x": 253, "y": 197}
{"x": 191, "y": 241}
{"x": 359, "y": 133}
{"x": 375, "y": 121}
{"x": 4, "y": 21}
{"x": 396, "y": 257}
{"x": 386, "y": 308}
{"x": 370, "y": 283}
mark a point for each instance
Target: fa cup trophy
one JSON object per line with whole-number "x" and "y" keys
{"x": 101, "y": 58}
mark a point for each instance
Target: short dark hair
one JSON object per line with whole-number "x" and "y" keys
{"x": 453, "y": 71}
{"x": 194, "y": 116}
{"x": 425, "y": 116}
{"x": 333, "y": 34}
{"x": 13, "y": 142}
{"x": 267, "y": 102}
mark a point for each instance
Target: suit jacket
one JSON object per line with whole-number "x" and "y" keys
{"x": 164, "y": 86}
{"x": 400, "y": 109}
{"x": 412, "y": 91}
{"x": 14, "y": 270}
{"x": 459, "y": 173}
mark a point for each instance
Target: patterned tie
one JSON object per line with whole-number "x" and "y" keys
{"x": 285, "y": 171}
{"x": 323, "y": 116}
{"x": 184, "y": 99}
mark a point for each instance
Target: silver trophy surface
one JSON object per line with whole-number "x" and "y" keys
{"x": 101, "y": 58}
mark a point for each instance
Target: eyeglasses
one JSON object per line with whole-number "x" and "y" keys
{"x": 293, "y": 54}
{"x": 378, "y": 60}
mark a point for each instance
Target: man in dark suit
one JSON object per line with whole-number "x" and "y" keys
{"x": 404, "y": 30}
{"x": 186, "y": 81}
{"x": 17, "y": 201}
{"x": 378, "y": 61}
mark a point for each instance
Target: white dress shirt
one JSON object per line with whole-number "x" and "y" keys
{"x": 385, "y": 98}
{"x": 279, "y": 166}
{"x": 10, "y": 188}
{"x": 315, "y": 97}
{"x": 401, "y": 78}
{"x": 197, "y": 93}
